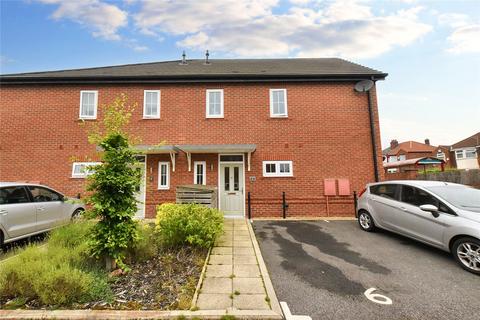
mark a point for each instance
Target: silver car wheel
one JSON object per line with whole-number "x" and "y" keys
{"x": 469, "y": 254}
{"x": 365, "y": 221}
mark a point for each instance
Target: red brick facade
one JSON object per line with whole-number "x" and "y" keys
{"x": 326, "y": 135}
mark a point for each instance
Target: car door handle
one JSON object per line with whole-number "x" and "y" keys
{"x": 41, "y": 209}
{"x": 3, "y": 212}
{"x": 403, "y": 208}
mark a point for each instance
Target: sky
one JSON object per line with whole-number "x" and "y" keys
{"x": 430, "y": 49}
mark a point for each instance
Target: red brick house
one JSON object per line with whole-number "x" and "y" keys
{"x": 263, "y": 126}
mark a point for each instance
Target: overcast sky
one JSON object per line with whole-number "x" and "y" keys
{"x": 431, "y": 49}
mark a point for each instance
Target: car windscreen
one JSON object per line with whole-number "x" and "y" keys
{"x": 465, "y": 198}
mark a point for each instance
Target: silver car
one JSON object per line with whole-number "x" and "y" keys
{"x": 29, "y": 209}
{"x": 441, "y": 214}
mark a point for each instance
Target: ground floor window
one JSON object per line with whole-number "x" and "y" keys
{"x": 200, "y": 172}
{"x": 277, "y": 168}
{"x": 163, "y": 175}
{"x": 83, "y": 169}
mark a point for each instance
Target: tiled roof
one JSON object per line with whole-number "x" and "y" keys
{"x": 473, "y": 141}
{"x": 411, "y": 146}
{"x": 217, "y": 69}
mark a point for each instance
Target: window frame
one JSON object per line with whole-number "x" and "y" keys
{"x": 95, "y": 105}
{"x": 25, "y": 190}
{"x": 156, "y": 116}
{"x": 204, "y": 172}
{"x": 272, "y": 114}
{"x": 167, "y": 185}
{"x": 82, "y": 175}
{"x": 207, "y": 105}
{"x": 417, "y": 189}
{"x": 277, "y": 172}
{"x": 470, "y": 150}
{"x": 461, "y": 152}
{"x": 29, "y": 190}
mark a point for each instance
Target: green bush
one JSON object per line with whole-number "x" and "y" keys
{"x": 58, "y": 273}
{"x": 191, "y": 224}
{"x": 147, "y": 245}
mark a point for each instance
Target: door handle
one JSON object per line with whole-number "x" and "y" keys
{"x": 3, "y": 212}
{"x": 403, "y": 208}
{"x": 41, "y": 209}
{"x": 231, "y": 193}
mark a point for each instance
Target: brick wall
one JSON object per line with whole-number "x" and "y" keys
{"x": 326, "y": 135}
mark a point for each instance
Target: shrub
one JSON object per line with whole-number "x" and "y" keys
{"x": 147, "y": 244}
{"x": 55, "y": 274}
{"x": 191, "y": 224}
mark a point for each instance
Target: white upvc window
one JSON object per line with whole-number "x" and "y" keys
{"x": 277, "y": 168}
{"x": 441, "y": 155}
{"x": 214, "y": 105}
{"x": 278, "y": 103}
{"x": 88, "y": 104}
{"x": 200, "y": 172}
{"x": 402, "y": 157}
{"x": 83, "y": 169}
{"x": 459, "y": 154}
{"x": 163, "y": 175}
{"x": 470, "y": 154}
{"x": 151, "y": 104}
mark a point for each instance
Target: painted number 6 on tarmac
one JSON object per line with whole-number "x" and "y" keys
{"x": 376, "y": 297}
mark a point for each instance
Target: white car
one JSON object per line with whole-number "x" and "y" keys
{"x": 442, "y": 214}
{"x": 28, "y": 209}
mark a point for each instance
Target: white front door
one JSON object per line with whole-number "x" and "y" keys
{"x": 141, "y": 192}
{"x": 231, "y": 189}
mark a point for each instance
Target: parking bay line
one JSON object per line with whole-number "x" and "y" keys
{"x": 288, "y": 314}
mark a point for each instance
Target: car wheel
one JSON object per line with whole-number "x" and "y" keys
{"x": 467, "y": 253}
{"x": 76, "y": 214}
{"x": 365, "y": 221}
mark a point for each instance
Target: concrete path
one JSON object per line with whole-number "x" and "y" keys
{"x": 233, "y": 279}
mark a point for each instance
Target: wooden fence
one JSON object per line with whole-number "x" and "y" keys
{"x": 206, "y": 195}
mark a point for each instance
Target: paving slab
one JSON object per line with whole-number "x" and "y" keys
{"x": 243, "y": 251}
{"x": 228, "y": 243}
{"x": 214, "y": 301}
{"x": 220, "y": 259}
{"x": 248, "y": 285}
{"x": 216, "y": 285}
{"x": 250, "y": 302}
{"x": 243, "y": 244}
{"x": 241, "y": 238}
{"x": 244, "y": 260}
{"x": 246, "y": 271}
{"x": 222, "y": 250}
{"x": 219, "y": 271}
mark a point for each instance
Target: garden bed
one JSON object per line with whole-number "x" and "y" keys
{"x": 160, "y": 278}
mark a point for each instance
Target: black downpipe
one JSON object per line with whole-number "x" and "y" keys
{"x": 284, "y": 205}
{"x": 249, "y": 206}
{"x": 372, "y": 136}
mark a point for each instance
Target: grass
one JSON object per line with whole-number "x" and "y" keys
{"x": 58, "y": 273}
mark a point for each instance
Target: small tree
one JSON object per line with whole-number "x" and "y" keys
{"x": 113, "y": 185}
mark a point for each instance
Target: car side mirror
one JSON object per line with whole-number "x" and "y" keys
{"x": 430, "y": 208}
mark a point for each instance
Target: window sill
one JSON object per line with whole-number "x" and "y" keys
{"x": 268, "y": 177}
{"x": 87, "y": 119}
{"x": 162, "y": 189}
{"x": 211, "y": 117}
{"x": 278, "y": 117}
{"x": 151, "y": 118}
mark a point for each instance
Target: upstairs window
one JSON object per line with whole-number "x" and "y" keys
{"x": 214, "y": 103}
{"x": 83, "y": 169}
{"x": 459, "y": 154}
{"x": 151, "y": 104}
{"x": 277, "y": 169}
{"x": 441, "y": 155}
{"x": 200, "y": 172}
{"x": 278, "y": 103}
{"x": 164, "y": 175}
{"x": 88, "y": 104}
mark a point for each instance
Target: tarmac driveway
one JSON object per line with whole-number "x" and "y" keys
{"x": 323, "y": 269}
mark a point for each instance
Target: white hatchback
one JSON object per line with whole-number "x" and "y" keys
{"x": 28, "y": 209}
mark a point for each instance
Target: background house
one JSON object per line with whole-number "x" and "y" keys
{"x": 467, "y": 152}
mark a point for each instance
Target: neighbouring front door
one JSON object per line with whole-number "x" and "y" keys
{"x": 140, "y": 195}
{"x": 231, "y": 189}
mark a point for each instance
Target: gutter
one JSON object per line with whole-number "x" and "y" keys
{"x": 5, "y": 80}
